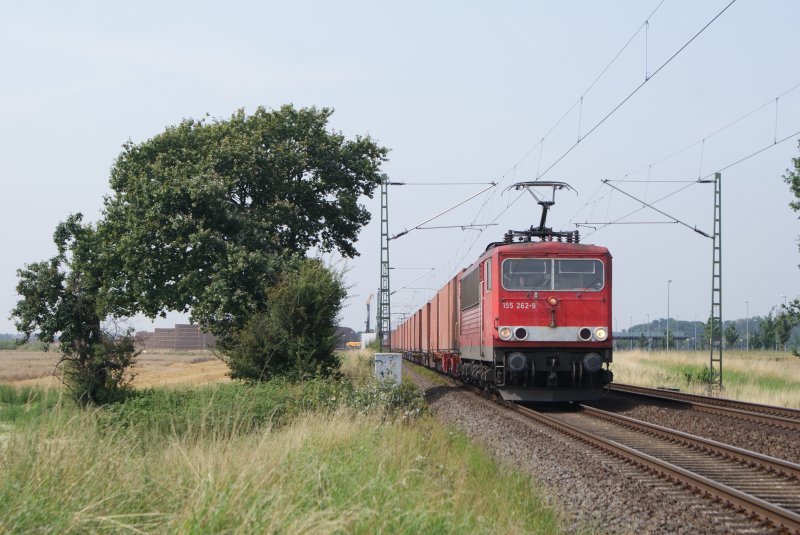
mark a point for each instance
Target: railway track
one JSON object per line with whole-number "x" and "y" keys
{"x": 763, "y": 487}
{"x": 765, "y": 414}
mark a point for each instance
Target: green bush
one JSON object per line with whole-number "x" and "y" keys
{"x": 232, "y": 409}
{"x": 14, "y": 345}
{"x": 295, "y": 333}
{"x": 101, "y": 376}
{"x": 695, "y": 375}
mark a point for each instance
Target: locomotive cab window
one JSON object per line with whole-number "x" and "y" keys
{"x": 583, "y": 275}
{"x": 487, "y": 274}
{"x": 527, "y": 274}
{"x": 541, "y": 274}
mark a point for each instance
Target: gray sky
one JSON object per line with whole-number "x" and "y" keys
{"x": 459, "y": 92}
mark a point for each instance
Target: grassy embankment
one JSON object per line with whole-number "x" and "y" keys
{"x": 323, "y": 456}
{"x": 758, "y": 376}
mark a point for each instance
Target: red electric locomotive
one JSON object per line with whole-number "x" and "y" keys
{"x": 530, "y": 319}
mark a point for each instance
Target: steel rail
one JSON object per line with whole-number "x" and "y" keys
{"x": 769, "y": 463}
{"x": 755, "y": 412}
{"x": 778, "y": 516}
{"x": 757, "y": 507}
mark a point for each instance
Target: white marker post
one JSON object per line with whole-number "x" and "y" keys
{"x": 389, "y": 367}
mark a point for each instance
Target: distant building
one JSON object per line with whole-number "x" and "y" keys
{"x": 181, "y": 338}
{"x": 344, "y": 335}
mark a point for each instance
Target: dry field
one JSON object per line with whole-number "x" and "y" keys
{"x": 758, "y": 376}
{"x": 153, "y": 368}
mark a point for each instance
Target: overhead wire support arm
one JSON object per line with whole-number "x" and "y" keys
{"x": 441, "y": 183}
{"x": 440, "y": 214}
{"x": 472, "y": 226}
{"x": 412, "y": 281}
{"x": 591, "y": 224}
{"x": 606, "y": 182}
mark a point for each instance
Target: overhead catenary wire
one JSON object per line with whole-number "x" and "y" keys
{"x": 488, "y": 202}
{"x": 591, "y": 223}
{"x": 579, "y": 101}
{"x": 716, "y": 132}
{"x": 667, "y": 196}
{"x": 635, "y": 90}
{"x": 756, "y": 153}
{"x": 440, "y": 214}
{"x": 444, "y": 183}
{"x": 691, "y": 183}
{"x": 472, "y": 226}
{"x": 412, "y": 281}
{"x": 650, "y": 205}
{"x": 593, "y": 201}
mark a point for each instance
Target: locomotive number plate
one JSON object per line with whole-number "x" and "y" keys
{"x": 519, "y": 305}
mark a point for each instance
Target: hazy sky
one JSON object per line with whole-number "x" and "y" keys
{"x": 459, "y": 91}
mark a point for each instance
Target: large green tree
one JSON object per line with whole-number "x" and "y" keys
{"x": 204, "y": 214}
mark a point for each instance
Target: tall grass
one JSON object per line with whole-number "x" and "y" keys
{"x": 757, "y": 376}
{"x": 334, "y": 456}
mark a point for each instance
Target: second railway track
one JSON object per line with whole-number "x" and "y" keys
{"x": 765, "y": 414}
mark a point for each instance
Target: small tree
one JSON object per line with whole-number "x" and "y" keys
{"x": 731, "y": 334}
{"x": 295, "y": 334}
{"x": 642, "y": 342}
{"x": 792, "y": 178}
{"x": 61, "y": 298}
{"x": 764, "y": 335}
{"x": 711, "y": 330}
{"x": 783, "y": 328}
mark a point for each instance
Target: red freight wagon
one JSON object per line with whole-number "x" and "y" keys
{"x": 425, "y": 329}
{"x": 433, "y": 306}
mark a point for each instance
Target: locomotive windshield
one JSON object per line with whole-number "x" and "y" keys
{"x": 541, "y": 274}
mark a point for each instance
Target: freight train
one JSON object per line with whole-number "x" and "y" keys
{"x": 528, "y": 319}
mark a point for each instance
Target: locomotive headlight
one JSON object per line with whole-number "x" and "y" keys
{"x": 601, "y": 333}
{"x": 505, "y": 333}
{"x": 552, "y": 301}
{"x": 592, "y": 362}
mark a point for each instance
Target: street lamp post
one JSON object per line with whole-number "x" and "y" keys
{"x": 668, "y": 284}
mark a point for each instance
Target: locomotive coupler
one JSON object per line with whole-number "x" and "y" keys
{"x": 552, "y": 378}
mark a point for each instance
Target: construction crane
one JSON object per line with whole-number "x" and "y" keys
{"x": 369, "y": 300}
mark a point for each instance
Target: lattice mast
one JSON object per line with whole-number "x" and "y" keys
{"x": 715, "y": 344}
{"x": 384, "y": 308}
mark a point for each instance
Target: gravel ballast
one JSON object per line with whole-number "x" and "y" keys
{"x": 594, "y": 492}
